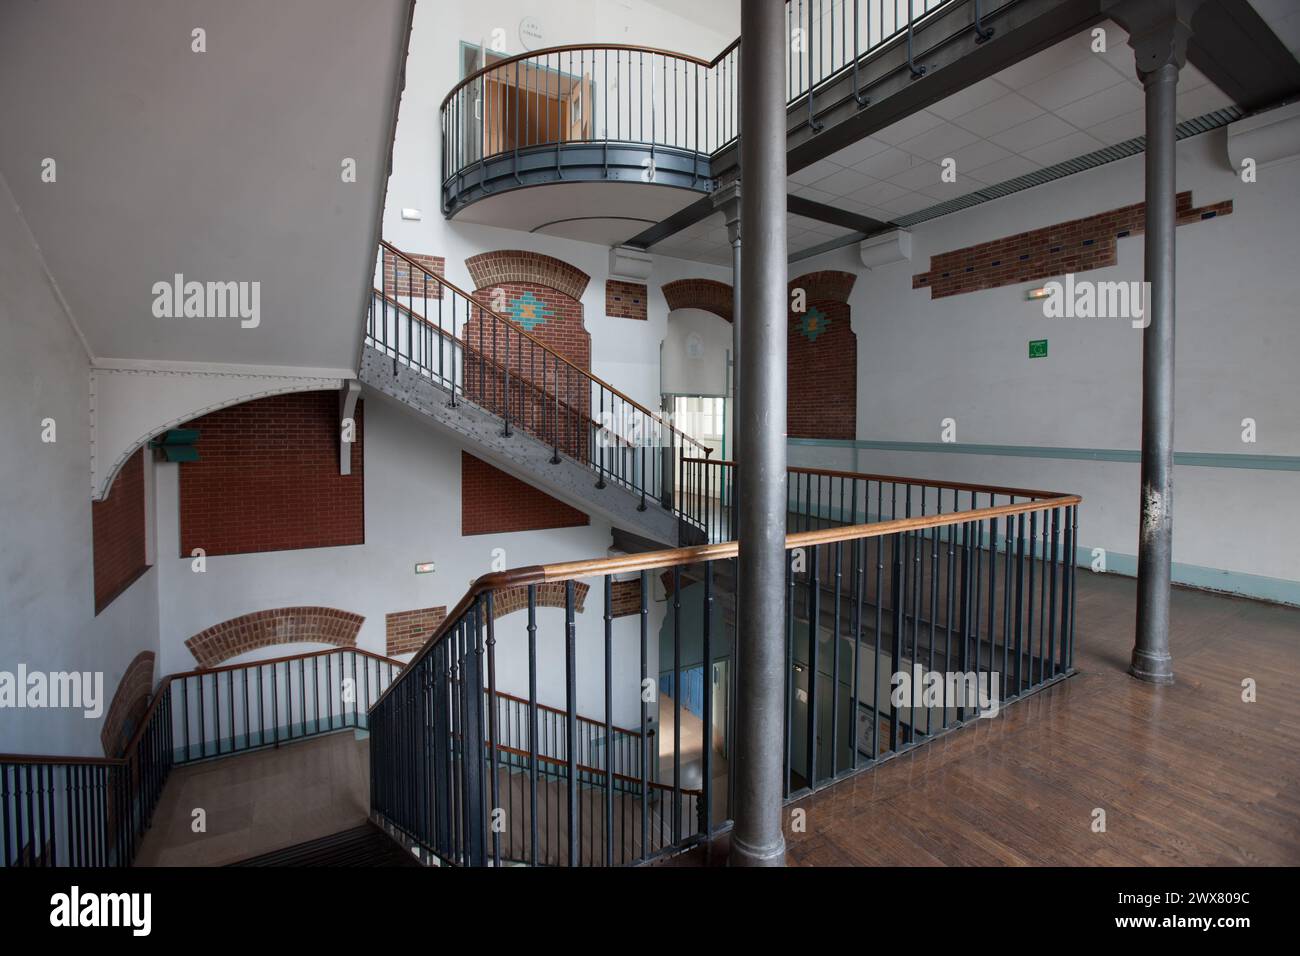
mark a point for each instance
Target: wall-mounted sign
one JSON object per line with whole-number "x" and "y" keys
{"x": 694, "y": 346}
{"x": 530, "y": 33}
{"x": 1038, "y": 348}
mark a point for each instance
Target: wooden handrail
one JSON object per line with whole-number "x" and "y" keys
{"x": 652, "y": 560}
{"x": 572, "y": 48}
{"x": 525, "y": 334}
{"x": 896, "y": 479}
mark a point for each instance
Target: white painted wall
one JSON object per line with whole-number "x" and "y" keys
{"x": 705, "y": 374}
{"x": 1238, "y": 339}
{"x": 47, "y": 608}
{"x": 413, "y": 510}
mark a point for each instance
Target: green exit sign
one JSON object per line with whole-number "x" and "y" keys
{"x": 1038, "y": 348}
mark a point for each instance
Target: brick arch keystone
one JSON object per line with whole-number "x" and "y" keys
{"x": 130, "y": 701}
{"x": 515, "y": 265}
{"x": 284, "y": 625}
{"x": 707, "y": 294}
{"x": 827, "y": 285}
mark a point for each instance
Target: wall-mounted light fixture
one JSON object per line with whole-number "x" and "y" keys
{"x": 409, "y": 213}
{"x": 424, "y": 567}
{"x": 1033, "y": 295}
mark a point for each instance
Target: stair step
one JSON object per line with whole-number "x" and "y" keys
{"x": 366, "y": 845}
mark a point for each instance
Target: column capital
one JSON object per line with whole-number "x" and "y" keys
{"x": 726, "y": 199}
{"x": 1158, "y": 31}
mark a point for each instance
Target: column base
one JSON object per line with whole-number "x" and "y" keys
{"x": 1152, "y": 668}
{"x": 742, "y": 854}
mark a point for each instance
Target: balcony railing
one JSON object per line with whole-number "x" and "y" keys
{"x": 612, "y": 111}
{"x": 458, "y": 341}
{"x": 87, "y": 811}
{"x": 911, "y": 609}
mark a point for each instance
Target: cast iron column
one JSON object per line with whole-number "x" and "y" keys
{"x": 1158, "y": 33}
{"x": 757, "y": 839}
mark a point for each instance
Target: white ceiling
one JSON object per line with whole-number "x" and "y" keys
{"x": 1056, "y": 105}
{"x": 224, "y": 166}
{"x": 707, "y": 241}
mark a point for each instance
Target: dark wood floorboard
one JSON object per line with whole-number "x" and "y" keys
{"x": 1187, "y": 775}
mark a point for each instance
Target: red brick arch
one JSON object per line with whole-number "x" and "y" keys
{"x": 508, "y": 600}
{"x": 822, "y": 370}
{"x": 507, "y": 266}
{"x": 284, "y": 625}
{"x": 130, "y": 701}
{"x": 707, "y": 294}
{"x": 827, "y": 284}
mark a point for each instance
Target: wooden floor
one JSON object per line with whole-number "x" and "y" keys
{"x": 1186, "y": 775}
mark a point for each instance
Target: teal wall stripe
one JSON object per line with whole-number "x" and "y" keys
{"x": 1196, "y": 459}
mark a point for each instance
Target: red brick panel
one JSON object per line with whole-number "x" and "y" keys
{"x": 822, "y": 380}
{"x": 118, "y": 533}
{"x": 406, "y": 631}
{"x": 703, "y": 294}
{"x": 492, "y": 502}
{"x": 536, "y": 378}
{"x": 625, "y": 300}
{"x": 625, "y": 598}
{"x": 284, "y": 625}
{"x": 826, "y": 284}
{"x": 268, "y": 478}
{"x": 515, "y": 265}
{"x": 130, "y": 701}
{"x": 508, "y": 600}
{"x": 400, "y": 279}
{"x": 1074, "y": 246}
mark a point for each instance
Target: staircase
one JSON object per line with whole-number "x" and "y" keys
{"x": 366, "y": 845}
{"x": 520, "y": 405}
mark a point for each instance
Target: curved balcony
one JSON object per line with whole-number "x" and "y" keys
{"x": 610, "y": 138}
{"x": 618, "y": 136}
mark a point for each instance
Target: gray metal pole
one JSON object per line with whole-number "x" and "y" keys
{"x": 1151, "y": 659}
{"x": 734, "y": 233}
{"x": 757, "y": 839}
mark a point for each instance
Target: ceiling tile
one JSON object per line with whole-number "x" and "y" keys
{"x": 1036, "y": 132}
{"x": 1120, "y": 128}
{"x": 1003, "y": 169}
{"x": 845, "y": 182}
{"x": 939, "y": 142}
{"x": 1109, "y": 103}
{"x": 1201, "y": 100}
{"x": 863, "y": 149}
{"x": 1072, "y": 82}
{"x": 941, "y": 192}
{"x": 908, "y": 127}
{"x": 1002, "y": 114}
{"x": 886, "y": 163}
{"x": 923, "y": 174}
{"x": 818, "y": 170}
{"x": 978, "y": 154}
{"x": 808, "y": 192}
{"x": 877, "y": 194}
{"x": 971, "y": 98}
{"x": 907, "y": 204}
{"x": 1067, "y": 147}
{"x": 1044, "y": 63}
